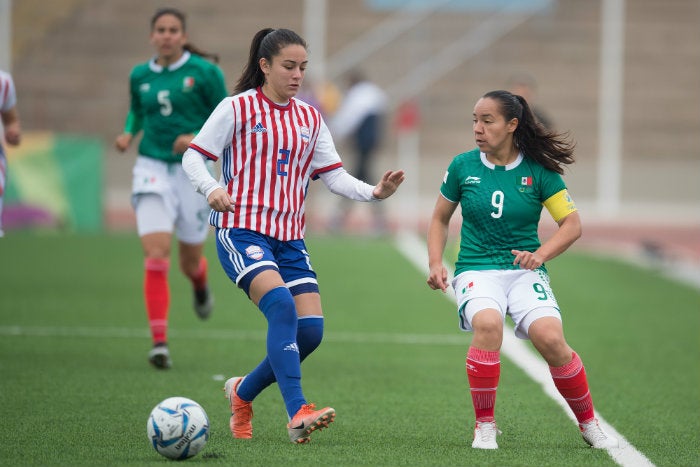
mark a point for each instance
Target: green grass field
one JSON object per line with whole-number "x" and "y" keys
{"x": 76, "y": 387}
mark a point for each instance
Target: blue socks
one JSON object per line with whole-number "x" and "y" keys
{"x": 289, "y": 341}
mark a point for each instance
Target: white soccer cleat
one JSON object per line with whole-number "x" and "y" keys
{"x": 485, "y": 435}
{"x": 594, "y": 435}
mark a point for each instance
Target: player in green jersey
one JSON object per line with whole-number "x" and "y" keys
{"x": 501, "y": 188}
{"x": 172, "y": 95}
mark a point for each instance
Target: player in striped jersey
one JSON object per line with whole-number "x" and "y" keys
{"x": 271, "y": 145}
{"x": 10, "y": 125}
{"x": 501, "y": 188}
{"x": 171, "y": 97}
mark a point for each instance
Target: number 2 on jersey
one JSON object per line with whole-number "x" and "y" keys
{"x": 497, "y": 202}
{"x": 282, "y": 162}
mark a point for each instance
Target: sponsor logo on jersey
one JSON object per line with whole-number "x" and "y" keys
{"x": 254, "y": 252}
{"x": 187, "y": 83}
{"x": 259, "y": 128}
{"x": 305, "y": 133}
{"x": 471, "y": 180}
{"x": 145, "y": 87}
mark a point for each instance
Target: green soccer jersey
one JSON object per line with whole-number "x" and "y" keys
{"x": 501, "y": 207}
{"x": 170, "y": 101}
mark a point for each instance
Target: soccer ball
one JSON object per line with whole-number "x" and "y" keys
{"x": 178, "y": 428}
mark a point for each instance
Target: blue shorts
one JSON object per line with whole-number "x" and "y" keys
{"x": 244, "y": 254}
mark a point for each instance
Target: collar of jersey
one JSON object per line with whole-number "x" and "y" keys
{"x": 173, "y": 66}
{"x": 493, "y": 166}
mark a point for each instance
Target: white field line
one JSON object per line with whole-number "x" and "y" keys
{"x": 515, "y": 350}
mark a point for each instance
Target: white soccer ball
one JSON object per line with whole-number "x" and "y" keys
{"x": 178, "y": 428}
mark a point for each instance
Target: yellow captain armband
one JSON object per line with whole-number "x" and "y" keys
{"x": 560, "y": 205}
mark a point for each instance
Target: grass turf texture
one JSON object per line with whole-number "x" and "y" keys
{"x": 77, "y": 389}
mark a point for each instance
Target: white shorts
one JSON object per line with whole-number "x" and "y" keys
{"x": 164, "y": 200}
{"x": 522, "y": 294}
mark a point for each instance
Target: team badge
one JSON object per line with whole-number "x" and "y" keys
{"x": 187, "y": 83}
{"x": 254, "y": 252}
{"x": 305, "y": 133}
{"x": 525, "y": 185}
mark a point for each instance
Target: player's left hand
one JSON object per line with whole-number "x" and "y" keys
{"x": 389, "y": 183}
{"x": 526, "y": 259}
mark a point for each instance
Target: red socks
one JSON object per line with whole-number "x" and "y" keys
{"x": 483, "y": 371}
{"x": 157, "y": 295}
{"x": 199, "y": 280}
{"x": 572, "y": 383}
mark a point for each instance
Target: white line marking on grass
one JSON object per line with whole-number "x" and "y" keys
{"x": 101, "y": 332}
{"x": 515, "y": 350}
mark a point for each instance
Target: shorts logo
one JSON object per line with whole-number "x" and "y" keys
{"x": 254, "y": 252}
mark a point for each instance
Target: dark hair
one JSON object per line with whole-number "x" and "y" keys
{"x": 548, "y": 148}
{"x": 181, "y": 16}
{"x": 266, "y": 44}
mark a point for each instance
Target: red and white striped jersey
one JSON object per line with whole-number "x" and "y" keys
{"x": 268, "y": 152}
{"x": 8, "y": 97}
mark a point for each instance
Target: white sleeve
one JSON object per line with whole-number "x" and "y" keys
{"x": 217, "y": 132}
{"x": 340, "y": 182}
{"x": 198, "y": 173}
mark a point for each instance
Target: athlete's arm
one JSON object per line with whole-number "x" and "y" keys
{"x": 132, "y": 125}
{"x": 437, "y": 239}
{"x": 204, "y": 183}
{"x": 340, "y": 182}
{"x": 568, "y": 232}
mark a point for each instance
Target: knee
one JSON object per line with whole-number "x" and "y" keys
{"x": 488, "y": 324}
{"x": 551, "y": 345}
{"x": 278, "y": 305}
{"x": 309, "y": 335}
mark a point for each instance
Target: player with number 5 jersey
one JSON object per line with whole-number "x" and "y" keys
{"x": 501, "y": 187}
{"x": 271, "y": 145}
{"x": 172, "y": 94}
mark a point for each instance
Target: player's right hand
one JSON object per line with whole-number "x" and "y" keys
{"x": 123, "y": 141}
{"x": 219, "y": 200}
{"x": 438, "y": 278}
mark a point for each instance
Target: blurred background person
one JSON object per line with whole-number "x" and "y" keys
{"x": 525, "y": 85}
{"x": 172, "y": 95}
{"x": 360, "y": 118}
{"x": 11, "y": 130}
